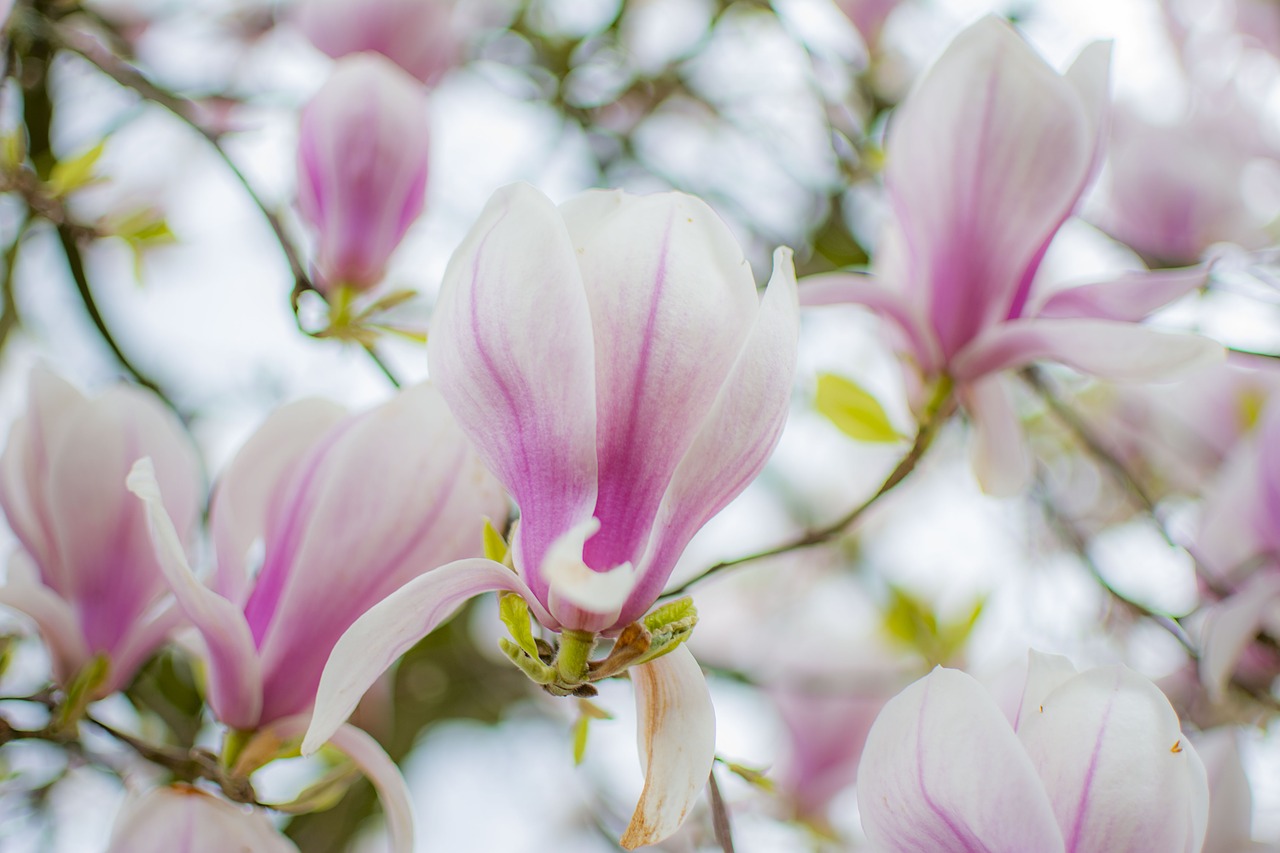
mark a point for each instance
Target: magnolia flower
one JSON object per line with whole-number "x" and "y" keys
{"x": 1094, "y": 762}
{"x": 362, "y": 169}
{"x": 348, "y": 508}
{"x": 183, "y": 819}
{"x": 417, "y": 35}
{"x": 986, "y": 159}
{"x": 87, "y": 576}
{"x": 668, "y": 386}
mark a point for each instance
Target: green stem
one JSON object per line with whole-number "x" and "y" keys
{"x": 574, "y": 656}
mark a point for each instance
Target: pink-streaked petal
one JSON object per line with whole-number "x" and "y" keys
{"x": 672, "y": 299}
{"x": 582, "y": 598}
{"x": 1120, "y": 774}
{"x": 986, "y": 159}
{"x": 1231, "y": 533}
{"x": 54, "y": 618}
{"x": 1104, "y": 348}
{"x": 1230, "y": 626}
{"x": 391, "y": 627}
{"x": 917, "y": 789}
{"x": 1090, "y": 76}
{"x": 735, "y": 439}
{"x": 184, "y": 819}
{"x": 147, "y": 634}
{"x": 383, "y": 497}
{"x": 998, "y": 451}
{"x": 1045, "y": 673}
{"x": 415, "y": 34}
{"x": 512, "y": 304}
{"x": 1131, "y": 297}
{"x": 677, "y": 738}
{"x": 235, "y": 678}
{"x": 376, "y": 766}
{"x": 853, "y": 289}
{"x": 249, "y": 492}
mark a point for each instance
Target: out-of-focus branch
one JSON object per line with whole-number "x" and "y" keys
{"x": 9, "y": 318}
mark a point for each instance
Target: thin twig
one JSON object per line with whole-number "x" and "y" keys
{"x": 719, "y": 815}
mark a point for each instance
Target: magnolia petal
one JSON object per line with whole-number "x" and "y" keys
{"x": 235, "y": 673}
{"x": 853, "y": 289}
{"x": 1230, "y": 626}
{"x": 144, "y": 637}
{"x": 1230, "y": 800}
{"x": 672, "y": 300}
{"x": 1104, "y": 348}
{"x": 22, "y": 591}
{"x": 677, "y": 738}
{"x": 997, "y": 450}
{"x": 1130, "y": 297}
{"x": 575, "y": 584}
{"x": 985, "y": 159}
{"x": 1045, "y": 673}
{"x": 491, "y": 343}
{"x": 377, "y": 767}
{"x": 1120, "y": 774}
{"x": 391, "y": 627}
{"x": 916, "y": 785}
{"x": 184, "y": 819}
{"x": 1090, "y": 76}
{"x": 736, "y": 438}
{"x": 249, "y": 490}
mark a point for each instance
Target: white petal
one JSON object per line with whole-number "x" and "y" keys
{"x": 1230, "y": 626}
{"x": 997, "y": 450}
{"x": 677, "y": 737}
{"x": 23, "y": 592}
{"x": 235, "y": 677}
{"x": 184, "y": 819}
{"x": 390, "y": 628}
{"x": 573, "y": 581}
{"x": 1045, "y": 673}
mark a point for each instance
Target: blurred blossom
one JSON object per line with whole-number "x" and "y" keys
{"x": 670, "y": 385}
{"x": 362, "y": 169}
{"x": 417, "y": 35}
{"x": 348, "y": 508}
{"x": 971, "y": 222}
{"x": 868, "y": 16}
{"x": 1230, "y": 798}
{"x": 88, "y": 576}
{"x": 183, "y": 819}
{"x": 1094, "y": 762}
{"x": 1172, "y": 191}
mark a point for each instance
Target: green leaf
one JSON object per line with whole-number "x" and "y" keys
{"x": 751, "y": 775}
{"x": 580, "y": 729}
{"x": 515, "y": 615}
{"x": 853, "y": 410}
{"x": 81, "y": 691}
{"x": 495, "y": 547}
{"x": 70, "y": 175}
{"x": 672, "y": 612}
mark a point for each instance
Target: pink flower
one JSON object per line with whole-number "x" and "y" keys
{"x": 88, "y": 576}
{"x": 362, "y": 169}
{"x": 1095, "y": 762}
{"x": 183, "y": 819}
{"x": 986, "y": 159}
{"x": 615, "y": 368}
{"x": 417, "y": 35}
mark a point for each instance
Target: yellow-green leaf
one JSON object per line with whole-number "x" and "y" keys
{"x": 76, "y": 172}
{"x": 853, "y": 410}
{"x": 514, "y": 613}
{"x": 495, "y": 547}
{"x": 580, "y": 729}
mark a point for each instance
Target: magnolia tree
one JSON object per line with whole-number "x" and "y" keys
{"x": 390, "y": 382}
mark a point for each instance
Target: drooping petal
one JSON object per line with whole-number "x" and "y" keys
{"x": 249, "y": 493}
{"x": 56, "y": 621}
{"x": 377, "y": 767}
{"x": 1230, "y": 626}
{"x": 917, "y": 789}
{"x": 235, "y": 676}
{"x": 1130, "y": 297}
{"x": 391, "y": 627}
{"x": 1045, "y": 673}
{"x": 511, "y": 305}
{"x": 997, "y": 449}
{"x": 986, "y": 159}
{"x": 677, "y": 738}
{"x": 672, "y": 299}
{"x": 1103, "y": 348}
{"x": 184, "y": 819}
{"x": 735, "y": 439}
{"x": 1120, "y": 774}
{"x": 852, "y": 289}
{"x": 582, "y": 598}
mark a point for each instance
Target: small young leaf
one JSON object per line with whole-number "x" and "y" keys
{"x": 853, "y": 410}
{"x": 515, "y": 615}
{"x": 580, "y": 729}
{"x": 495, "y": 547}
{"x": 675, "y": 611}
{"x": 76, "y": 172}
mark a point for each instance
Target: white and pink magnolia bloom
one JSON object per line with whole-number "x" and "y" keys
{"x": 348, "y": 508}
{"x": 88, "y": 576}
{"x": 1095, "y": 762}
{"x": 615, "y": 367}
{"x": 184, "y": 819}
{"x": 417, "y": 35}
{"x": 985, "y": 161}
{"x": 362, "y": 168}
